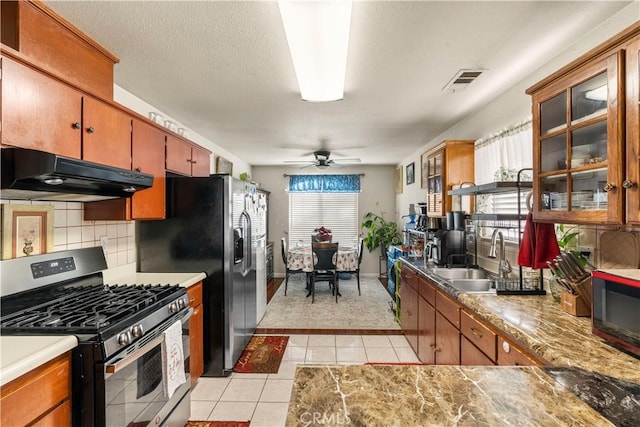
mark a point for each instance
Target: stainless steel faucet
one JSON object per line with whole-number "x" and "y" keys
{"x": 504, "y": 267}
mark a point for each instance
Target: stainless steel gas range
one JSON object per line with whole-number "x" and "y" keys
{"x": 122, "y": 369}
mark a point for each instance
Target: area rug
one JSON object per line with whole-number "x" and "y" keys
{"x": 217, "y": 424}
{"x": 262, "y": 355}
{"x": 369, "y": 311}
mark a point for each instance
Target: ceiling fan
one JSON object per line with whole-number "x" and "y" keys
{"x": 322, "y": 161}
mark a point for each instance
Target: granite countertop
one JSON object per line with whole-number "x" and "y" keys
{"x": 586, "y": 383}
{"x": 124, "y": 277}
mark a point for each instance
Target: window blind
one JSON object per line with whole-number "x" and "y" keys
{"x": 336, "y": 211}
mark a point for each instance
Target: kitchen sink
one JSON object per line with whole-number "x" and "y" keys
{"x": 472, "y": 285}
{"x": 460, "y": 273}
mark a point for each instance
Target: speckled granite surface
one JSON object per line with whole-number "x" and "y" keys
{"x": 586, "y": 383}
{"x": 434, "y": 396}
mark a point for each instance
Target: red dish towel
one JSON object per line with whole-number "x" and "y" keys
{"x": 539, "y": 244}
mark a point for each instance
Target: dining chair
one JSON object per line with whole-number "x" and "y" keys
{"x": 288, "y": 271}
{"x": 356, "y": 272}
{"x": 324, "y": 267}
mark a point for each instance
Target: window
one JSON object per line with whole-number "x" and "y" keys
{"x": 324, "y": 200}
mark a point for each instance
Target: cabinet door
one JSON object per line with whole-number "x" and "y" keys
{"x": 510, "y": 355}
{"x": 196, "y": 331}
{"x": 106, "y": 134}
{"x": 147, "y": 151}
{"x": 39, "y": 112}
{"x": 409, "y": 318}
{"x": 435, "y": 174}
{"x": 447, "y": 342}
{"x": 578, "y": 154}
{"x": 178, "y": 156}
{"x": 631, "y": 183}
{"x": 200, "y": 162}
{"x": 470, "y": 355}
{"x": 426, "y": 332}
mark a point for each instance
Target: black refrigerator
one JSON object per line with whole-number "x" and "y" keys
{"x": 209, "y": 228}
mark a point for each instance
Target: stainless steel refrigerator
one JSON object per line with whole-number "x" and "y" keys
{"x": 209, "y": 227}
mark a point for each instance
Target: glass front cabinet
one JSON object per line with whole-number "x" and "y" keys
{"x": 585, "y": 140}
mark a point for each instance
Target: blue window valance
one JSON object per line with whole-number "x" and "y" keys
{"x": 324, "y": 183}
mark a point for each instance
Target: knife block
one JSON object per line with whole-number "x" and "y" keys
{"x": 574, "y": 304}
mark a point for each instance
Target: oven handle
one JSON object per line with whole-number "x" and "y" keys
{"x": 113, "y": 368}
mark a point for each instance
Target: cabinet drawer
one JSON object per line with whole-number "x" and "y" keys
{"x": 427, "y": 291}
{"x": 194, "y": 293}
{"x": 481, "y": 336}
{"x": 448, "y": 308}
{"x": 410, "y": 277}
{"x": 37, "y": 392}
{"x": 510, "y": 355}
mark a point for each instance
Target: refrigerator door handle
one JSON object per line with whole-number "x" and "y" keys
{"x": 238, "y": 245}
{"x": 247, "y": 262}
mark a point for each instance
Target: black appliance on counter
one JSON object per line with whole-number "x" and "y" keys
{"x": 448, "y": 248}
{"x": 211, "y": 227}
{"x": 118, "y": 377}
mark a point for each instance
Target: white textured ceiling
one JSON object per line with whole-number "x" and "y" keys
{"x": 223, "y": 68}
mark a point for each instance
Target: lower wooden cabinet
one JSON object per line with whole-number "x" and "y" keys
{"x": 426, "y": 332}
{"x": 409, "y": 315}
{"x": 196, "y": 365}
{"x": 447, "y": 341}
{"x": 470, "y": 355}
{"x": 511, "y": 355}
{"x": 40, "y": 397}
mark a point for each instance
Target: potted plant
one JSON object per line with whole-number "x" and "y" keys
{"x": 379, "y": 232}
{"x": 567, "y": 242}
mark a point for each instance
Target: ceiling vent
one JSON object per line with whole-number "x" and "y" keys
{"x": 462, "y": 79}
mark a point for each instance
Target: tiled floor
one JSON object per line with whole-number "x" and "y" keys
{"x": 264, "y": 398}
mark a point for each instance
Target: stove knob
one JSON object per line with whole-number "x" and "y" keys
{"x": 124, "y": 339}
{"x": 182, "y": 303}
{"x": 173, "y": 307}
{"x": 137, "y": 331}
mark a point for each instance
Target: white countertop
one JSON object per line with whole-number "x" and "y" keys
{"x": 20, "y": 354}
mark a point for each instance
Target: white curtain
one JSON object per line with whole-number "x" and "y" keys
{"x": 509, "y": 149}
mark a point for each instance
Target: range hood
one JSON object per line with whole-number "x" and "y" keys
{"x": 36, "y": 175}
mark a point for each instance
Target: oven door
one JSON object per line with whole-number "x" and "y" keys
{"x": 135, "y": 384}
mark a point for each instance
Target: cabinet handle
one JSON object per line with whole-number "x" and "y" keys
{"x": 476, "y": 332}
{"x": 627, "y": 183}
{"x": 407, "y": 312}
{"x": 138, "y": 169}
{"x": 76, "y": 125}
{"x": 437, "y": 350}
{"x": 608, "y": 186}
{"x": 90, "y": 129}
{"x": 193, "y": 162}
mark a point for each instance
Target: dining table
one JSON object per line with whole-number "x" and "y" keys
{"x": 300, "y": 257}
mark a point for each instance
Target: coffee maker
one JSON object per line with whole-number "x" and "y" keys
{"x": 448, "y": 248}
{"x": 421, "y": 218}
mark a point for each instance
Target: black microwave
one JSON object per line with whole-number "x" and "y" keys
{"x": 615, "y": 310}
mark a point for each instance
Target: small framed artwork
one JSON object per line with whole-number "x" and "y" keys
{"x": 424, "y": 170}
{"x": 223, "y": 165}
{"x": 26, "y": 230}
{"x": 410, "y": 173}
{"x": 398, "y": 180}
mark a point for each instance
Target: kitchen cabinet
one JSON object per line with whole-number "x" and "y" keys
{"x": 185, "y": 158}
{"x": 448, "y": 164}
{"x": 585, "y": 137}
{"x": 410, "y": 307}
{"x": 196, "y": 331}
{"x": 478, "y": 335}
{"x": 470, "y": 355}
{"x": 447, "y": 328}
{"x": 40, "y": 397}
{"x": 39, "y": 112}
{"x": 426, "y": 332}
{"x": 106, "y": 136}
{"x": 147, "y": 148}
{"x": 509, "y": 354}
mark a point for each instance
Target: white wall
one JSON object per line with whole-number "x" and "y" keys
{"x": 140, "y": 106}
{"x": 377, "y": 187}
{"x": 514, "y": 105}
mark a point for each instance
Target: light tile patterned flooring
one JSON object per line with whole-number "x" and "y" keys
{"x": 264, "y": 398}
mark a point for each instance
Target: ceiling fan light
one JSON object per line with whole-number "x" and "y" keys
{"x": 318, "y": 36}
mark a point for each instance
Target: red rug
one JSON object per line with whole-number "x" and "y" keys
{"x": 217, "y": 424}
{"x": 393, "y": 363}
{"x": 262, "y": 355}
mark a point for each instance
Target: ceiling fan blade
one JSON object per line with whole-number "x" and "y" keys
{"x": 352, "y": 160}
{"x": 299, "y": 162}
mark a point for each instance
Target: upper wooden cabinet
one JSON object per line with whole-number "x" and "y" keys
{"x": 51, "y": 42}
{"x": 585, "y": 118}
{"x": 39, "y": 112}
{"x": 448, "y": 164}
{"x": 186, "y": 159}
{"x": 147, "y": 149}
{"x": 106, "y": 134}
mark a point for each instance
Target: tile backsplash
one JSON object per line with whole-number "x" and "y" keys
{"x": 72, "y": 232}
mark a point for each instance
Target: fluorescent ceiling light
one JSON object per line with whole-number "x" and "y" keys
{"x": 318, "y": 37}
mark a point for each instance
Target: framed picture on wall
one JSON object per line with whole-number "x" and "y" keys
{"x": 398, "y": 180}
{"x": 410, "y": 173}
{"x": 26, "y": 230}
{"x": 423, "y": 171}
